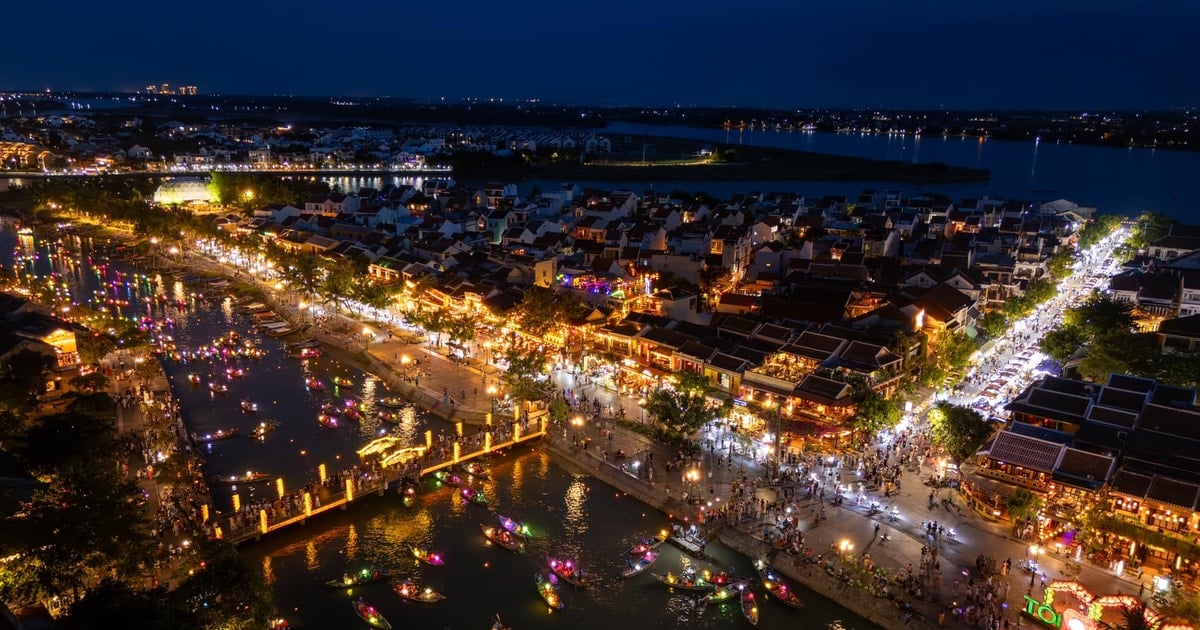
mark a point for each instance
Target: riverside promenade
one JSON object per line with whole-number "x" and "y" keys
{"x": 392, "y": 357}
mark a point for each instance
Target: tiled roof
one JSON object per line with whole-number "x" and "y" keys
{"x": 1025, "y": 451}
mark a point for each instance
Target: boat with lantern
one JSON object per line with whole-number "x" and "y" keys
{"x": 687, "y": 581}
{"x": 249, "y": 406}
{"x": 548, "y": 591}
{"x": 503, "y": 538}
{"x": 473, "y": 495}
{"x": 219, "y": 434}
{"x": 514, "y": 526}
{"x": 342, "y": 381}
{"x": 475, "y": 469}
{"x": 722, "y": 594}
{"x": 409, "y": 495}
{"x": 645, "y": 544}
{"x": 409, "y": 591}
{"x": 391, "y": 402}
{"x": 633, "y": 568}
{"x": 447, "y": 478}
{"x": 249, "y": 477}
{"x": 567, "y": 571}
{"x": 193, "y": 378}
{"x": 426, "y": 555}
{"x": 263, "y": 428}
{"x": 314, "y": 384}
{"x": 327, "y": 421}
{"x": 218, "y": 388}
{"x": 370, "y": 614}
{"x": 358, "y": 578}
{"x": 749, "y": 606}
{"x": 775, "y": 585}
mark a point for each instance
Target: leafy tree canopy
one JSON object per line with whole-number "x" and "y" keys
{"x": 960, "y": 430}
{"x": 681, "y": 408}
{"x": 875, "y": 413}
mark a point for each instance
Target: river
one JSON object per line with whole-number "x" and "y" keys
{"x": 1124, "y": 181}
{"x": 571, "y": 514}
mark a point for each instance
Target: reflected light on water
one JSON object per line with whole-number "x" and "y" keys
{"x": 352, "y": 542}
{"x": 576, "y": 504}
{"x": 311, "y": 560}
{"x": 268, "y": 570}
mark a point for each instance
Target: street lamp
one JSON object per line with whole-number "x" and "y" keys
{"x": 366, "y": 332}
{"x": 577, "y": 422}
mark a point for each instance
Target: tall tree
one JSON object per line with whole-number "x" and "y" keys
{"x": 521, "y": 378}
{"x": 960, "y": 430}
{"x": 875, "y": 413}
{"x": 681, "y": 408}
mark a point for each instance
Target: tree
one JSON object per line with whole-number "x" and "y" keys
{"x": 1133, "y": 617}
{"x": 521, "y": 378}
{"x": 681, "y": 408}
{"x": 1022, "y": 505}
{"x": 544, "y": 309}
{"x": 960, "y": 430}
{"x": 306, "y": 273}
{"x": 1063, "y": 342}
{"x": 1060, "y": 263}
{"x": 337, "y": 286}
{"x": 150, "y": 609}
{"x": 23, "y": 377}
{"x": 875, "y": 413}
{"x": 1098, "y": 228}
{"x": 1101, "y": 315}
{"x": 994, "y": 324}
{"x": 226, "y": 592}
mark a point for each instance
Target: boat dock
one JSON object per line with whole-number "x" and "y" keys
{"x": 391, "y": 477}
{"x": 688, "y": 541}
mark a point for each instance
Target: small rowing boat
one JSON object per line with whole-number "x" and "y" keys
{"x": 504, "y": 538}
{"x": 724, "y": 593}
{"x": 568, "y": 571}
{"x": 391, "y": 402}
{"x": 365, "y": 576}
{"x": 327, "y": 421}
{"x": 475, "y": 469}
{"x": 515, "y": 526}
{"x": 749, "y": 606}
{"x": 549, "y": 592}
{"x": 218, "y": 388}
{"x": 472, "y": 495}
{"x": 194, "y": 378}
{"x": 342, "y": 381}
{"x": 410, "y": 495}
{"x": 776, "y": 587}
{"x": 219, "y": 434}
{"x": 249, "y": 477}
{"x": 633, "y": 568}
{"x": 426, "y": 555}
{"x": 314, "y": 383}
{"x": 687, "y": 581}
{"x": 448, "y": 478}
{"x": 369, "y": 614}
{"x": 263, "y": 428}
{"x": 645, "y": 544}
{"x": 413, "y": 593}
{"x": 249, "y": 407}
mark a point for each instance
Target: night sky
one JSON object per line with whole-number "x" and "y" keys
{"x": 1138, "y": 54}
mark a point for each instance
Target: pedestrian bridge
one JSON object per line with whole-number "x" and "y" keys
{"x": 391, "y": 454}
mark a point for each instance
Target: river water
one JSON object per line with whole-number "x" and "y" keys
{"x": 570, "y": 514}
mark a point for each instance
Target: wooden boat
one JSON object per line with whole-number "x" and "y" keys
{"x": 194, "y": 378}
{"x": 235, "y": 372}
{"x": 749, "y": 606}
{"x": 365, "y": 576}
{"x": 548, "y": 592}
{"x": 390, "y": 417}
{"x": 413, "y": 593}
{"x": 314, "y": 384}
{"x": 567, "y": 571}
{"x": 475, "y": 469}
{"x": 410, "y": 495}
{"x": 263, "y": 428}
{"x": 777, "y": 588}
{"x": 218, "y": 388}
{"x": 515, "y": 526}
{"x": 369, "y": 614}
{"x": 304, "y": 353}
{"x": 643, "y": 545}
{"x": 428, "y": 556}
{"x": 725, "y": 593}
{"x": 249, "y": 407}
{"x": 504, "y": 538}
{"x": 448, "y": 478}
{"x": 327, "y": 421}
{"x": 219, "y": 434}
{"x": 391, "y": 402}
{"x": 473, "y": 495}
{"x": 342, "y": 381}
{"x": 304, "y": 343}
{"x": 249, "y": 477}
{"x": 687, "y": 581}
{"x": 633, "y": 568}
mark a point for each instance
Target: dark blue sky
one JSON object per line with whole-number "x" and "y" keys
{"x": 891, "y": 53}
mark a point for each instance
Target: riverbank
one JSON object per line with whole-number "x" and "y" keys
{"x": 674, "y": 159}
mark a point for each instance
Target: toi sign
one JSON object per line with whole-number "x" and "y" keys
{"x": 1069, "y": 619}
